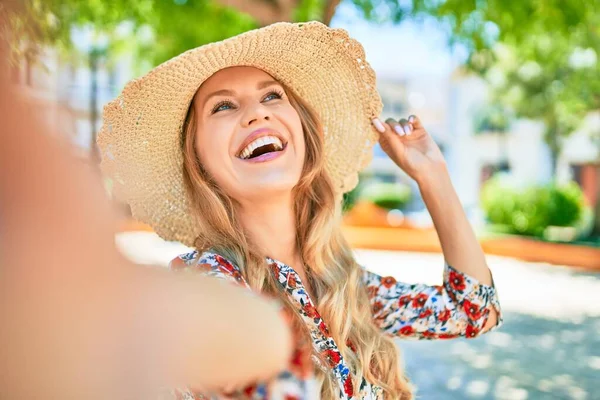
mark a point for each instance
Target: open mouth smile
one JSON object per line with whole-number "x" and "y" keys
{"x": 262, "y": 149}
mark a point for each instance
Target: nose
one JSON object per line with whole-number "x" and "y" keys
{"x": 255, "y": 114}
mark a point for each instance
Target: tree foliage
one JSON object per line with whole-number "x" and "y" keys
{"x": 540, "y": 57}
{"x": 547, "y": 75}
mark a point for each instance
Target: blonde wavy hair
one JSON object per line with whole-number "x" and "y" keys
{"x": 341, "y": 298}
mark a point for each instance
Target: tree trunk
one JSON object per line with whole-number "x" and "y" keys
{"x": 265, "y": 12}
{"x": 553, "y": 141}
{"x": 269, "y": 11}
{"x": 329, "y": 11}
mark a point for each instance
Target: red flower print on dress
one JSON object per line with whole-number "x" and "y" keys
{"x": 332, "y": 357}
{"x": 301, "y": 363}
{"x": 291, "y": 281}
{"x": 177, "y": 264}
{"x": 323, "y": 328}
{"x": 444, "y": 315}
{"x": 471, "y": 331}
{"x": 378, "y": 306}
{"x": 310, "y": 310}
{"x": 372, "y": 291}
{"x": 457, "y": 308}
{"x": 473, "y": 310}
{"x": 420, "y": 300}
{"x": 224, "y": 264}
{"x": 457, "y": 281}
{"x": 204, "y": 267}
{"x": 297, "y": 357}
{"x": 229, "y": 268}
{"x": 249, "y": 390}
{"x": 388, "y": 281}
{"x": 275, "y": 269}
{"x": 348, "y": 388}
{"x": 447, "y": 336}
{"x": 351, "y": 345}
{"x": 428, "y": 334}
{"x": 406, "y": 330}
{"x": 405, "y": 300}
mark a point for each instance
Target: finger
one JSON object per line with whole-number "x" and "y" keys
{"x": 395, "y": 126}
{"x": 406, "y": 126}
{"x": 378, "y": 125}
{"x": 415, "y": 121}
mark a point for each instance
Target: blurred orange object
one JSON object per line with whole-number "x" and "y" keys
{"x": 131, "y": 225}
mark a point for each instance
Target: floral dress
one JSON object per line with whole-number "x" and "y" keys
{"x": 458, "y": 308}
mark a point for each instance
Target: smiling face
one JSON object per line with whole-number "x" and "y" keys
{"x": 249, "y": 137}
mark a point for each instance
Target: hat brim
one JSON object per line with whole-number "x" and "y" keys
{"x": 141, "y": 132}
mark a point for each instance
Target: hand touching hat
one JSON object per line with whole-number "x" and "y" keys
{"x": 409, "y": 145}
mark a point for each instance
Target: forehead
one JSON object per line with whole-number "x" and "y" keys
{"x": 229, "y": 78}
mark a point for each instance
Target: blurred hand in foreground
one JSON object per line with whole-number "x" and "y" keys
{"x": 80, "y": 321}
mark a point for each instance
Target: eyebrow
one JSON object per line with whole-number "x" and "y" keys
{"x": 226, "y": 92}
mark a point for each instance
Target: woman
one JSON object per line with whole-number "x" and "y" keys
{"x": 243, "y": 149}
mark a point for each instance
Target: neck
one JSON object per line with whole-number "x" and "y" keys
{"x": 272, "y": 226}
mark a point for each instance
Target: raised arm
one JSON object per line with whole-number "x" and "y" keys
{"x": 461, "y": 306}
{"x": 410, "y": 146}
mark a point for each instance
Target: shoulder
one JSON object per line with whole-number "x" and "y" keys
{"x": 209, "y": 263}
{"x": 183, "y": 260}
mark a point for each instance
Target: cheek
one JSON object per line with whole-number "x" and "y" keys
{"x": 212, "y": 152}
{"x": 296, "y": 129}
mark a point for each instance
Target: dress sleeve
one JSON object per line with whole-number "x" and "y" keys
{"x": 297, "y": 382}
{"x": 459, "y": 307}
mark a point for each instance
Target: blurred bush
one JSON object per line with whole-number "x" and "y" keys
{"x": 531, "y": 210}
{"x": 567, "y": 204}
{"x": 387, "y": 195}
{"x": 498, "y": 199}
{"x": 350, "y": 198}
{"x": 585, "y": 226}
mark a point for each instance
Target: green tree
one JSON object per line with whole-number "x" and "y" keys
{"x": 173, "y": 26}
{"x": 548, "y": 77}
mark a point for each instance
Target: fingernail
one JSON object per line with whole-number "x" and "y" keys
{"x": 407, "y": 129}
{"x": 399, "y": 131}
{"x": 378, "y": 125}
{"x": 411, "y": 119}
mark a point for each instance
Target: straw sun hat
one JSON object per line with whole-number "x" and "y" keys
{"x": 141, "y": 132}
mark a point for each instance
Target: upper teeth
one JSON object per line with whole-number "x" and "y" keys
{"x": 261, "y": 141}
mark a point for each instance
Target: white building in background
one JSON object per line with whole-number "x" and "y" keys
{"x": 39, "y": 83}
{"x": 62, "y": 91}
{"x": 417, "y": 74}
{"x": 447, "y": 105}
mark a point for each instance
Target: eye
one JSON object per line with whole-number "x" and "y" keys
{"x": 278, "y": 94}
{"x": 220, "y": 104}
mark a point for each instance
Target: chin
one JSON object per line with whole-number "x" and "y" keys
{"x": 260, "y": 189}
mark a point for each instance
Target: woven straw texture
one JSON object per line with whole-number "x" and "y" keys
{"x": 140, "y": 136}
